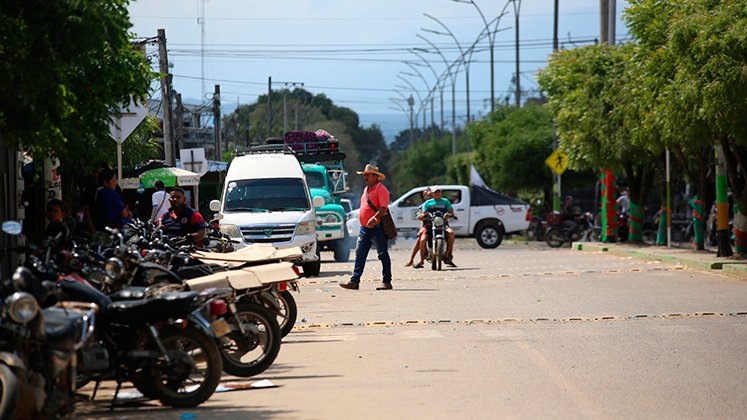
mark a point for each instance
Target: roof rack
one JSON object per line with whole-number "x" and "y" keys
{"x": 266, "y": 148}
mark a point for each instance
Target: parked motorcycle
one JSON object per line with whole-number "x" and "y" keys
{"x": 560, "y": 233}
{"x": 38, "y": 344}
{"x": 154, "y": 342}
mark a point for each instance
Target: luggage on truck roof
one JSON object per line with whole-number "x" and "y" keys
{"x": 313, "y": 146}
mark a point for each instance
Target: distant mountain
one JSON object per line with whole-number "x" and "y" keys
{"x": 391, "y": 124}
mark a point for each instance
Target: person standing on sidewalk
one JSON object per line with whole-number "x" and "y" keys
{"x": 375, "y": 195}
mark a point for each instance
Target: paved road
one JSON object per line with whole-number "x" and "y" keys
{"x": 517, "y": 332}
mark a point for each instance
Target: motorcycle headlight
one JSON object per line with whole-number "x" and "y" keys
{"x": 232, "y": 231}
{"x": 330, "y": 219}
{"x": 438, "y": 221}
{"x": 114, "y": 268}
{"x": 22, "y": 307}
{"x": 305, "y": 228}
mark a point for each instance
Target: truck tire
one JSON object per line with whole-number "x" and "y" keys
{"x": 489, "y": 235}
{"x": 312, "y": 269}
{"x": 342, "y": 250}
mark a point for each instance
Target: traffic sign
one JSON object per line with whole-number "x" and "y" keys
{"x": 123, "y": 126}
{"x": 557, "y": 161}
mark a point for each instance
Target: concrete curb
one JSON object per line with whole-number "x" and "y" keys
{"x": 699, "y": 261}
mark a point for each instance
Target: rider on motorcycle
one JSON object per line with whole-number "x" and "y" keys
{"x": 182, "y": 220}
{"x": 570, "y": 216}
{"x": 427, "y": 194}
{"x": 438, "y": 203}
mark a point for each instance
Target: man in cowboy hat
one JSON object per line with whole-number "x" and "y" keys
{"x": 374, "y": 204}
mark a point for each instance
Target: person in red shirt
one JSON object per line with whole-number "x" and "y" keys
{"x": 374, "y": 205}
{"x": 182, "y": 220}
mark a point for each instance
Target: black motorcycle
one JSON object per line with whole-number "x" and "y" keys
{"x": 149, "y": 339}
{"x": 561, "y": 232}
{"x": 435, "y": 238}
{"x": 39, "y": 337}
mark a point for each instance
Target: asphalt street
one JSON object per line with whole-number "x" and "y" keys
{"x": 522, "y": 331}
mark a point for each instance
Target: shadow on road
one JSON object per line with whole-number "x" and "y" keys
{"x": 100, "y": 409}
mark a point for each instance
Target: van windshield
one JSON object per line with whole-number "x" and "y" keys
{"x": 270, "y": 194}
{"x": 315, "y": 179}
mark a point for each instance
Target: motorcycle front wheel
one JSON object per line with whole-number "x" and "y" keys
{"x": 439, "y": 253}
{"x": 252, "y": 353}
{"x": 193, "y": 373}
{"x": 554, "y": 237}
{"x": 289, "y": 312}
{"x": 9, "y": 392}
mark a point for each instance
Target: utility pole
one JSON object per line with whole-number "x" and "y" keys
{"x": 179, "y": 122}
{"x": 517, "y": 8}
{"x": 410, "y": 103}
{"x": 555, "y": 28}
{"x": 556, "y": 178}
{"x": 269, "y": 107}
{"x": 216, "y": 114}
{"x": 285, "y": 110}
{"x": 612, "y": 22}
{"x": 163, "y": 63}
{"x": 604, "y": 20}
{"x": 285, "y": 104}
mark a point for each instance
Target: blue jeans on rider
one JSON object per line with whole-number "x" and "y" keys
{"x": 366, "y": 238}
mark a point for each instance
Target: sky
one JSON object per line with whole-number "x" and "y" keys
{"x": 353, "y": 50}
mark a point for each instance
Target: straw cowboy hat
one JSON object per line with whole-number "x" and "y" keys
{"x": 372, "y": 169}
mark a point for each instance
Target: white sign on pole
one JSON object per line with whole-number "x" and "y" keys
{"x": 123, "y": 126}
{"x": 131, "y": 117}
{"x": 194, "y": 160}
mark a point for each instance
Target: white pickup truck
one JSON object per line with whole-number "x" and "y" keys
{"x": 481, "y": 212}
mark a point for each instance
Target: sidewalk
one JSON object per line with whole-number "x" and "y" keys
{"x": 700, "y": 260}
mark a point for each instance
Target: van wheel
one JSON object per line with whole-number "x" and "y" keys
{"x": 312, "y": 269}
{"x": 489, "y": 235}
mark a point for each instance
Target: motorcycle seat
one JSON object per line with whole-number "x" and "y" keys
{"x": 62, "y": 326}
{"x": 166, "y": 305}
{"x": 130, "y": 293}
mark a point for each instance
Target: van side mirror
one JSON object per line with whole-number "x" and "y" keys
{"x": 318, "y": 201}
{"x": 215, "y": 205}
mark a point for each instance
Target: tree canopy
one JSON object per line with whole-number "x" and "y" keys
{"x": 67, "y": 66}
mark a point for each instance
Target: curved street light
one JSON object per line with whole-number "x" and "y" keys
{"x": 439, "y": 83}
{"x": 431, "y": 90}
{"x": 452, "y": 76}
{"x": 491, "y": 39}
{"x": 420, "y": 98}
{"x": 465, "y": 63}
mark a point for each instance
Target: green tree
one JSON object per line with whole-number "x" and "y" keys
{"x": 511, "y": 146}
{"x": 592, "y": 94}
{"x": 695, "y": 53}
{"x": 67, "y": 66}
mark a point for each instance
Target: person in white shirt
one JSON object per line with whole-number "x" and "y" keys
{"x": 160, "y": 202}
{"x": 623, "y": 202}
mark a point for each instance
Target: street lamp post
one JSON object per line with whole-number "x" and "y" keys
{"x": 491, "y": 39}
{"x": 431, "y": 91}
{"x": 463, "y": 53}
{"x": 423, "y": 101}
{"x": 452, "y": 76}
{"x": 517, "y": 9}
{"x": 439, "y": 84}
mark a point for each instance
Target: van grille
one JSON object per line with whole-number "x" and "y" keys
{"x": 268, "y": 233}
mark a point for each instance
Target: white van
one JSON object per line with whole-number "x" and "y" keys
{"x": 265, "y": 199}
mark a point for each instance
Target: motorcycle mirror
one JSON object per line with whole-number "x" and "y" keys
{"x": 11, "y": 227}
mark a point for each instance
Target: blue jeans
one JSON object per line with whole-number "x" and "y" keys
{"x": 366, "y": 238}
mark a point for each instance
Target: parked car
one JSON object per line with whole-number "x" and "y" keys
{"x": 481, "y": 213}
